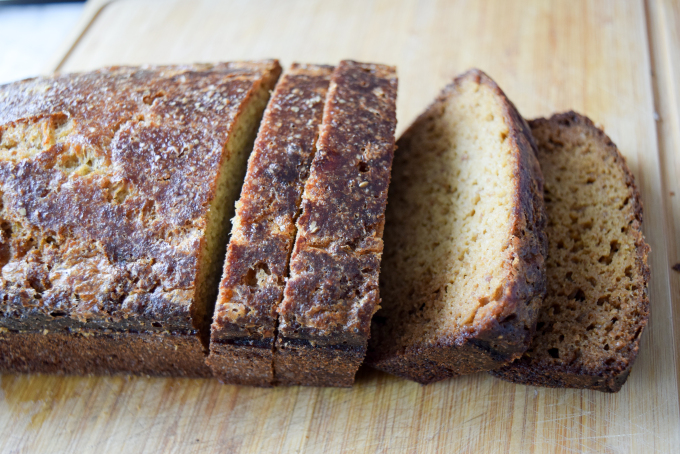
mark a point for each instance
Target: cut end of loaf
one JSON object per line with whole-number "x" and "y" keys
{"x": 596, "y": 308}
{"x": 462, "y": 274}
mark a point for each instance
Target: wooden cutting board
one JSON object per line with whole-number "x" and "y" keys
{"x": 617, "y": 61}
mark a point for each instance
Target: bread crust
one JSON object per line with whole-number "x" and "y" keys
{"x": 104, "y": 215}
{"x": 501, "y": 336}
{"x": 332, "y": 292}
{"x": 256, "y": 266}
{"x": 100, "y": 353}
{"x": 607, "y": 378}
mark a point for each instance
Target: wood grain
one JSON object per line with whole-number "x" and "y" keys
{"x": 664, "y": 35}
{"x": 591, "y": 56}
{"x": 90, "y": 11}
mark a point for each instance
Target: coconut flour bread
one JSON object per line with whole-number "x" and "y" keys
{"x": 463, "y": 272}
{"x": 263, "y": 232}
{"x": 332, "y": 291}
{"x": 596, "y": 307}
{"x": 116, "y": 187}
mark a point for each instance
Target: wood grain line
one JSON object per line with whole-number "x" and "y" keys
{"x": 90, "y": 12}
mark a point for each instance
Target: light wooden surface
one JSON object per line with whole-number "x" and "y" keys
{"x": 590, "y": 56}
{"x": 664, "y": 27}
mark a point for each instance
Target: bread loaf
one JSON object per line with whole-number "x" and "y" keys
{"x": 116, "y": 187}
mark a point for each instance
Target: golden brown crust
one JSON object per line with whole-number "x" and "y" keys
{"x": 99, "y": 353}
{"x": 503, "y": 335}
{"x": 332, "y": 291}
{"x": 538, "y": 369}
{"x": 104, "y": 212}
{"x": 256, "y": 266}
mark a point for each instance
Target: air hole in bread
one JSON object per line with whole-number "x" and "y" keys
{"x": 629, "y": 272}
{"x": 602, "y": 300}
{"x": 613, "y": 249}
{"x": 255, "y": 276}
{"x": 577, "y": 295}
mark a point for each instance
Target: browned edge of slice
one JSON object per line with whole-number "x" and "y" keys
{"x": 263, "y": 232}
{"x": 332, "y": 291}
{"x": 500, "y": 336}
{"x": 575, "y": 302}
{"x": 102, "y": 354}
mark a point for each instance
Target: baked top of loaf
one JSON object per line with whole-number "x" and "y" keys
{"x": 107, "y": 181}
{"x": 332, "y": 291}
{"x": 464, "y": 243}
{"x": 263, "y": 231}
{"x": 596, "y": 306}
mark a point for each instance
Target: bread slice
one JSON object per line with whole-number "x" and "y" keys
{"x": 463, "y": 274}
{"x": 116, "y": 188}
{"x": 263, "y": 232}
{"x": 332, "y": 291}
{"x": 596, "y": 307}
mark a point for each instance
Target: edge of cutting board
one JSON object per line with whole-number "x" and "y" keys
{"x": 91, "y": 10}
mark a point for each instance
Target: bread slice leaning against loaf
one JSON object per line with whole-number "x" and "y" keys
{"x": 596, "y": 307}
{"x": 116, "y": 188}
{"x": 263, "y": 232}
{"x": 463, "y": 274}
{"x": 332, "y": 290}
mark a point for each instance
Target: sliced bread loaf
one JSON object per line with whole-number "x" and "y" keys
{"x": 116, "y": 187}
{"x": 263, "y": 232}
{"x": 463, "y": 272}
{"x": 596, "y": 307}
{"x": 332, "y": 291}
